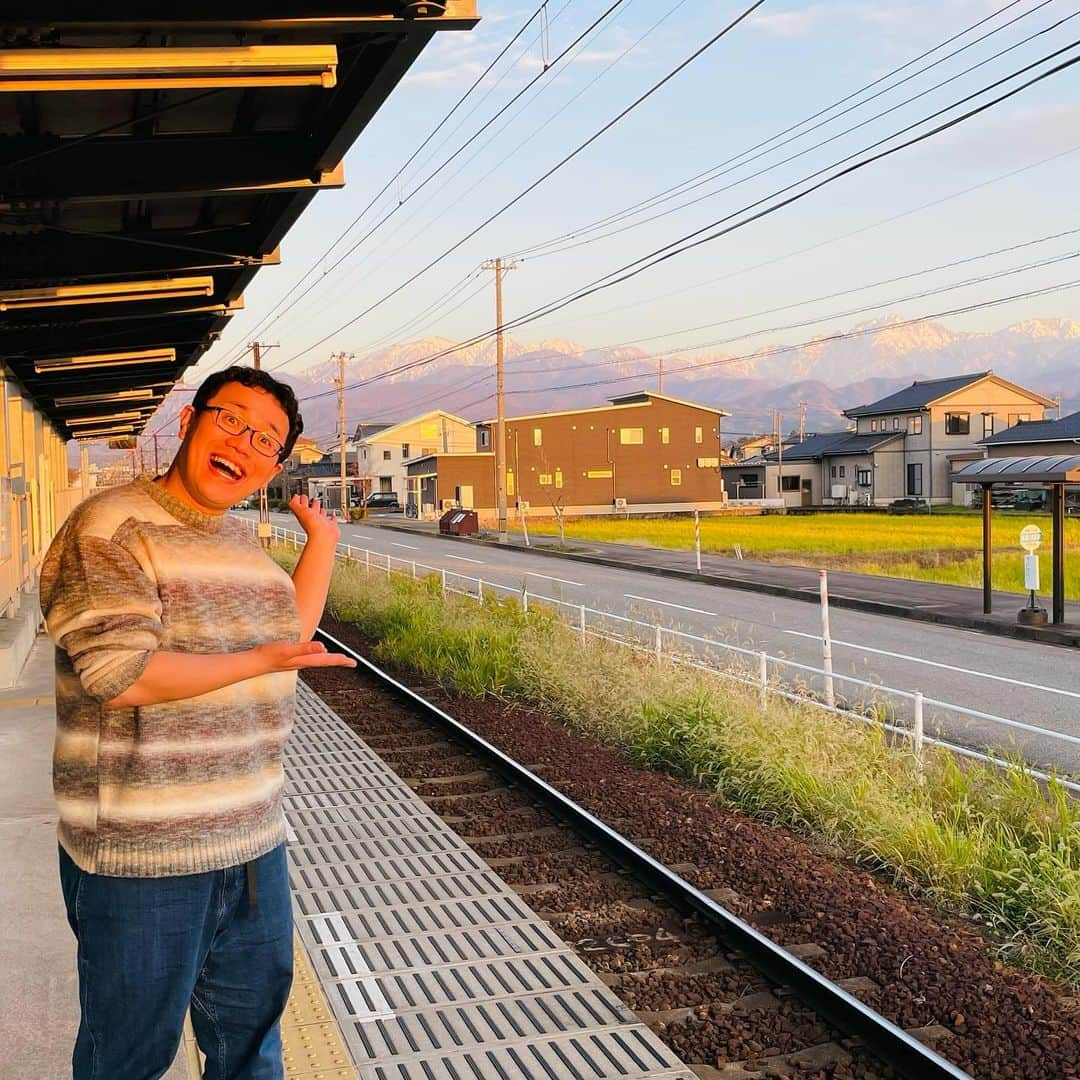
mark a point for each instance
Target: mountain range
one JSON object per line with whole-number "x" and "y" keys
{"x": 829, "y": 374}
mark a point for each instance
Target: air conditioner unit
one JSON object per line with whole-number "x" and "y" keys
{"x": 620, "y": 504}
{"x": 448, "y": 504}
{"x": 838, "y": 491}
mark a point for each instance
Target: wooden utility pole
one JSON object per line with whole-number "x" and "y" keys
{"x": 257, "y": 349}
{"x": 500, "y": 423}
{"x": 339, "y": 382}
{"x": 779, "y": 433}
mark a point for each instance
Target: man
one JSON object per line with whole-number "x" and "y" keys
{"x": 178, "y": 642}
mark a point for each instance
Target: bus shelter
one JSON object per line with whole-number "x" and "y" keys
{"x": 1055, "y": 473}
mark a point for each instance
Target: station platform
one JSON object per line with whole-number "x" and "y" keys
{"x": 414, "y": 959}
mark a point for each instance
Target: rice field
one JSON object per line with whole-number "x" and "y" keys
{"x": 945, "y": 546}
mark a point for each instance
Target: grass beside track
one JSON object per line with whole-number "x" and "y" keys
{"x": 945, "y": 546}
{"x": 990, "y": 843}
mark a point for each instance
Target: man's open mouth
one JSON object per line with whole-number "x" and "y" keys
{"x": 226, "y": 468}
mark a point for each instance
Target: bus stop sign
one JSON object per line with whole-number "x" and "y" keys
{"x": 1030, "y": 538}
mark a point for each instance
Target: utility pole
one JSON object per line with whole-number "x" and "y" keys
{"x": 339, "y": 382}
{"x": 802, "y": 421}
{"x": 257, "y": 349}
{"x": 500, "y": 423}
{"x": 660, "y": 380}
{"x": 778, "y": 431}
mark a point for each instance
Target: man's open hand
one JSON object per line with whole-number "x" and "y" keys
{"x": 314, "y": 520}
{"x": 292, "y": 656}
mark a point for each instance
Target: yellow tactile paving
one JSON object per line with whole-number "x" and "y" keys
{"x": 312, "y": 1046}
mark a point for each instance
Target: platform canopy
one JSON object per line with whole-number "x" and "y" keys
{"x": 1020, "y": 470}
{"x": 1056, "y": 473}
{"x": 152, "y": 157}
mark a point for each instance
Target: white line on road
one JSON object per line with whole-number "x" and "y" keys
{"x": 666, "y": 603}
{"x": 411, "y": 547}
{"x": 461, "y": 558}
{"x": 548, "y": 577}
{"x": 946, "y": 667}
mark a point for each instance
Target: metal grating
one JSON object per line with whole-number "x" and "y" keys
{"x": 433, "y": 966}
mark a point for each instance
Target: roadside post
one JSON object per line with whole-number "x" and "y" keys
{"x": 1030, "y": 540}
{"x": 917, "y": 734}
{"x": 697, "y": 539}
{"x": 826, "y": 639}
{"x": 523, "y": 510}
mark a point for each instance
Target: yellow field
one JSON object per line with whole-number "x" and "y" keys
{"x": 945, "y": 546}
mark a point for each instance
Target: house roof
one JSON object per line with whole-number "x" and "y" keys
{"x": 386, "y": 430}
{"x": 1067, "y": 429}
{"x": 644, "y": 395}
{"x": 926, "y": 392}
{"x": 835, "y": 444}
{"x": 624, "y": 401}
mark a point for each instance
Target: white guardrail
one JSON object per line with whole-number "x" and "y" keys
{"x": 901, "y": 712}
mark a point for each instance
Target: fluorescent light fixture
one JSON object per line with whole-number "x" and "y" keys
{"x": 143, "y": 393}
{"x": 100, "y": 433}
{"x": 113, "y": 292}
{"x": 98, "y": 360}
{"x": 103, "y": 419}
{"x": 168, "y": 69}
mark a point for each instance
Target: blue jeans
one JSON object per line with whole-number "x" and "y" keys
{"x": 149, "y": 947}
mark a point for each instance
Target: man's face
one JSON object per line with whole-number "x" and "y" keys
{"x": 217, "y": 469}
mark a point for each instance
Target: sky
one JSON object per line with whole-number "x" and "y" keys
{"x": 1003, "y": 178}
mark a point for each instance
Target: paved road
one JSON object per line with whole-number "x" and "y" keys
{"x": 1025, "y": 682}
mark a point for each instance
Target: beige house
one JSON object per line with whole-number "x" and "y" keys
{"x": 932, "y": 426}
{"x": 381, "y": 455}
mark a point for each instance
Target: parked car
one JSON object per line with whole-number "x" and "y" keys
{"x": 907, "y": 506}
{"x": 383, "y": 500}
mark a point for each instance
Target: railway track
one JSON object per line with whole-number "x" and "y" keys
{"x": 728, "y": 999}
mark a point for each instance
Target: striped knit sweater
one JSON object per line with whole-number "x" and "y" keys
{"x": 189, "y": 785}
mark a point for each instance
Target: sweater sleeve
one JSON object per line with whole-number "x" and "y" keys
{"x": 101, "y": 608}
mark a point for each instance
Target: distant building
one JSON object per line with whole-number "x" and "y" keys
{"x": 642, "y": 451}
{"x": 383, "y": 449}
{"x": 1036, "y": 438}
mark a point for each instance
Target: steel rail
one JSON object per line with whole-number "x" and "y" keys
{"x": 912, "y": 1059}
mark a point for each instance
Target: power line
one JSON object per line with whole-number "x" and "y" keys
{"x": 695, "y": 239}
{"x": 702, "y": 177}
{"x": 547, "y": 175}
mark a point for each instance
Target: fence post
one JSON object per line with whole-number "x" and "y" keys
{"x": 525, "y": 598}
{"x": 826, "y": 639}
{"x": 697, "y": 539}
{"x": 414, "y": 569}
{"x": 367, "y": 560}
{"x": 763, "y": 679}
{"x": 917, "y": 735}
{"x": 444, "y": 583}
{"x": 581, "y": 624}
{"x": 480, "y": 589}
{"x": 348, "y": 553}
{"x": 659, "y": 647}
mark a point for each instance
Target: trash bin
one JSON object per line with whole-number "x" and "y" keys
{"x": 459, "y": 523}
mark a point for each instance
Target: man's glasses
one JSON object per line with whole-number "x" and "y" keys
{"x": 262, "y": 442}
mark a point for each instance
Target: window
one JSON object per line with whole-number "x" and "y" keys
{"x": 957, "y": 423}
{"x": 914, "y": 478}
{"x": 708, "y": 463}
{"x": 386, "y": 455}
{"x": 599, "y": 474}
{"x": 558, "y": 478}
{"x": 789, "y": 483}
{"x": 862, "y": 477}
{"x": 386, "y": 483}
{"x": 873, "y": 425}
{"x": 365, "y": 453}
{"x": 485, "y": 437}
{"x": 665, "y": 435}
{"x": 676, "y": 476}
{"x": 988, "y": 425}
{"x": 697, "y": 435}
{"x": 538, "y": 436}
{"x": 509, "y": 481}
{"x": 914, "y": 425}
{"x": 631, "y": 436}
{"x": 896, "y": 423}
{"x": 842, "y": 470}
{"x": 404, "y": 449}
{"x": 1016, "y": 417}
{"x": 833, "y": 472}
{"x": 427, "y": 451}
{"x": 545, "y": 479}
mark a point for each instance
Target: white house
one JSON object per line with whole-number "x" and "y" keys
{"x": 382, "y": 453}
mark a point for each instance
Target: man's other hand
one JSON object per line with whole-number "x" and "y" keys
{"x": 292, "y": 656}
{"x": 314, "y": 520}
